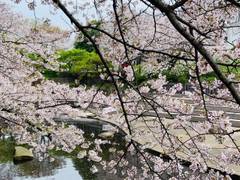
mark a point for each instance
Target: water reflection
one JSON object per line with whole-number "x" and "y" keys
{"x": 64, "y": 167}
{"x": 61, "y": 168}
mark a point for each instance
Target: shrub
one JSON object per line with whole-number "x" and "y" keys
{"x": 177, "y": 74}
{"x": 140, "y": 73}
{"x": 81, "y": 63}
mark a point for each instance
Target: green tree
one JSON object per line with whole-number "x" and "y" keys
{"x": 80, "y": 63}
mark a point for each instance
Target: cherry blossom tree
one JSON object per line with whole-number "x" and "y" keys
{"x": 192, "y": 33}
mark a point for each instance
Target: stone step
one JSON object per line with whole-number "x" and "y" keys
{"x": 234, "y": 119}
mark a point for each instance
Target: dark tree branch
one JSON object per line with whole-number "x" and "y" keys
{"x": 235, "y": 3}
{"x": 137, "y": 48}
{"x": 198, "y": 45}
{"x": 81, "y": 28}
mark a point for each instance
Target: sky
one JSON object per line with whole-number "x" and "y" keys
{"x": 42, "y": 12}
{"x": 56, "y": 17}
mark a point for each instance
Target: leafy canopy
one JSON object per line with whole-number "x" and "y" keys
{"x": 79, "y": 61}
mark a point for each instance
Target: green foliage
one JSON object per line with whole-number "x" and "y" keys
{"x": 177, "y": 74}
{"x": 34, "y": 56}
{"x": 80, "y": 62}
{"x": 49, "y": 74}
{"x": 84, "y": 45}
{"x": 231, "y": 70}
{"x": 211, "y": 76}
{"x": 78, "y": 66}
{"x": 140, "y": 73}
{"x": 208, "y": 77}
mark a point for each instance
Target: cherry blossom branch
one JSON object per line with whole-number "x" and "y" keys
{"x": 196, "y": 44}
{"x": 80, "y": 27}
{"x": 137, "y": 48}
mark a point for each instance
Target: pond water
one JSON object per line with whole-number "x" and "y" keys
{"x": 62, "y": 168}
{"x": 59, "y": 166}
